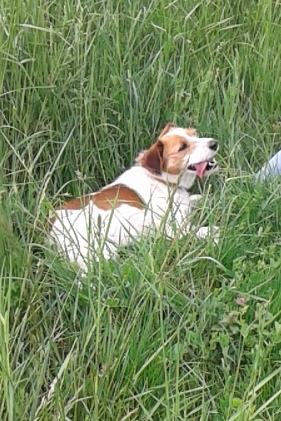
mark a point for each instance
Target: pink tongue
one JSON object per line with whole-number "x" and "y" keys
{"x": 201, "y": 168}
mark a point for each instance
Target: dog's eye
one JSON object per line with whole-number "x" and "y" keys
{"x": 183, "y": 147}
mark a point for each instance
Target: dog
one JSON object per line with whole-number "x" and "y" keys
{"x": 151, "y": 195}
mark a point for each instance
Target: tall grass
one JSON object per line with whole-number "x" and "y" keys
{"x": 170, "y": 331}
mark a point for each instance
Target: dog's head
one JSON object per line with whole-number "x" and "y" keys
{"x": 179, "y": 155}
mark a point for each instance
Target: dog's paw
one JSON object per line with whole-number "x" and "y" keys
{"x": 194, "y": 198}
{"x": 209, "y": 232}
{"x": 216, "y": 234}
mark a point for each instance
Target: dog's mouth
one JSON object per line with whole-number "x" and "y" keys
{"x": 202, "y": 167}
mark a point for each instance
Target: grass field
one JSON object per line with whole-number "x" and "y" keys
{"x": 172, "y": 331}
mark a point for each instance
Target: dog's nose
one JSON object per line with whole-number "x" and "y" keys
{"x": 213, "y": 144}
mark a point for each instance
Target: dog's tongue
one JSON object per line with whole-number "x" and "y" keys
{"x": 201, "y": 168}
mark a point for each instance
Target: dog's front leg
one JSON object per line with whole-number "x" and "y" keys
{"x": 179, "y": 227}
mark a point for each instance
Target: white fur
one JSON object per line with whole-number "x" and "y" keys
{"x": 83, "y": 235}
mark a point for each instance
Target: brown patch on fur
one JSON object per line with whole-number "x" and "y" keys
{"x": 191, "y": 132}
{"x": 106, "y": 199}
{"x": 166, "y": 155}
{"x": 173, "y": 156}
{"x": 167, "y": 129}
{"x": 115, "y": 196}
{"x": 152, "y": 159}
{"x": 76, "y": 204}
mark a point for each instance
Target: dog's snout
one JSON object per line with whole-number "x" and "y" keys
{"x": 213, "y": 144}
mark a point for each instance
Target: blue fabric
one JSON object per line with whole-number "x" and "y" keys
{"x": 271, "y": 169}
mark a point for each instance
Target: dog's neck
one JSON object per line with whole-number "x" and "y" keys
{"x": 185, "y": 180}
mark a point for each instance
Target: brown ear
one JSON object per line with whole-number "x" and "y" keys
{"x": 167, "y": 128}
{"x": 191, "y": 132}
{"x": 153, "y": 158}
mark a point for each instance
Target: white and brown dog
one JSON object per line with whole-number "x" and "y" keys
{"x": 150, "y": 195}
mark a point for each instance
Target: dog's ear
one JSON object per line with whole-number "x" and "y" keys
{"x": 152, "y": 159}
{"x": 166, "y": 129}
{"x": 191, "y": 132}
